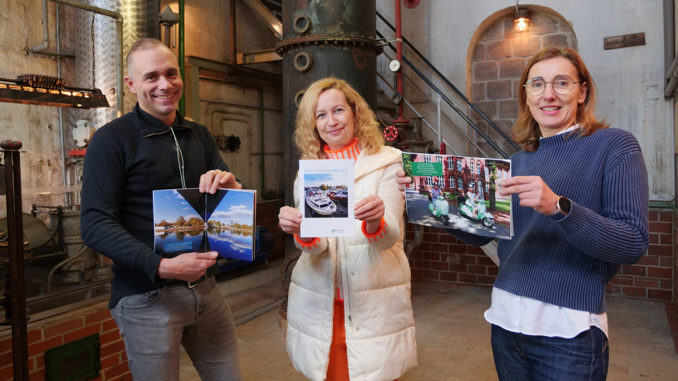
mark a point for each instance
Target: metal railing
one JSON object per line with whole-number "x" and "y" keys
{"x": 458, "y": 110}
{"x": 414, "y": 110}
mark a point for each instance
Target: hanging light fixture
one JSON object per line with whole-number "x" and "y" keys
{"x": 48, "y": 91}
{"x": 521, "y": 19}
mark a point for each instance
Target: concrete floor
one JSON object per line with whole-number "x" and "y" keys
{"x": 453, "y": 339}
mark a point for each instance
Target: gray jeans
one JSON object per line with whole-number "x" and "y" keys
{"x": 155, "y": 324}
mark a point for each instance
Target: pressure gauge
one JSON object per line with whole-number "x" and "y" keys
{"x": 394, "y": 65}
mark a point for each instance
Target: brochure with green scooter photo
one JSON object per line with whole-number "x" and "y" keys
{"x": 458, "y": 192}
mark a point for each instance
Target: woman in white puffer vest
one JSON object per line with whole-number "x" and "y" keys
{"x": 349, "y": 311}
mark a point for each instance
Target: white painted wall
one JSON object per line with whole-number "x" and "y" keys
{"x": 630, "y": 80}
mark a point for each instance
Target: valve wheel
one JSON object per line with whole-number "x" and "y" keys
{"x": 391, "y": 133}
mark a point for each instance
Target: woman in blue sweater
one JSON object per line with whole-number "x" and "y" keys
{"x": 580, "y": 209}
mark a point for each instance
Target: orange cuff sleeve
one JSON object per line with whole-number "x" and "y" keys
{"x": 307, "y": 245}
{"x": 376, "y": 235}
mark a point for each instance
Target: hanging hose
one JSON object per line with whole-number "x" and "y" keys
{"x": 62, "y": 263}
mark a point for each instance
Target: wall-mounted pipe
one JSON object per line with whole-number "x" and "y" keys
{"x": 64, "y": 177}
{"x": 45, "y": 30}
{"x": 261, "y": 139}
{"x": 182, "y": 64}
{"x": 399, "y": 57}
{"x": 231, "y": 35}
{"x": 672, "y": 77}
{"x": 118, "y": 30}
{"x": 42, "y": 48}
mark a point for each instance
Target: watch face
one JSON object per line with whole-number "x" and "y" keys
{"x": 394, "y": 65}
{"x": 564, "y": 205}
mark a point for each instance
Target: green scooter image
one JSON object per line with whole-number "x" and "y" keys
{"x": 440, "y": 209}
{"x": 476, "y": 211}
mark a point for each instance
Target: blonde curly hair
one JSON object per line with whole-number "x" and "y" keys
{"x": 306, "y": 137}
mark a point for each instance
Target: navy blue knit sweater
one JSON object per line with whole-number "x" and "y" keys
{"x": 567, "y": 261}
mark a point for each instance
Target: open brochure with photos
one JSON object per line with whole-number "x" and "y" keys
{"x": 458, "y": 192}
{"x": 186, "y": 220}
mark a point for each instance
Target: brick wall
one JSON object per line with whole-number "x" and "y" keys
{"x": 652, "y": 276}
{"x": 442, "y": 258}
{"x": 65, "y": 328}
{"x": 499, "y": 57}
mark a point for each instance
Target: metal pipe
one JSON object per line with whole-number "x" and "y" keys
{"x": 448, "y": 83}
{"x": 231, "y": 20}
{"x": 182, "y": 102}
{"x": 241, "y": 105}
{"x": 16, "y": 296}
{"x": 64, "y": 178}
{"x": 42, "y": 48}
{"x": 121, "y": 84}
{"x": 399, "y": 57}
{"x": 457, "y": 109}
{"x": 669, "y": 33}
{"x": 45, "y": 30}
{"x": 423, "y": 119}
{"x": 118, "y": 29}
{"x": 440, "y": 130}
{"x": 261, "y": 138}
{"x": 66, "y": 261}
{"x": 672, "y": 77}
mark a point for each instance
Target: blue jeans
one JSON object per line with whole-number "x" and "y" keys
{"x": 522, "y": 357}
{"x": 155, "y": 324}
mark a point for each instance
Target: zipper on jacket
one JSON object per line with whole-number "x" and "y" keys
{"x": 345, "y": 283}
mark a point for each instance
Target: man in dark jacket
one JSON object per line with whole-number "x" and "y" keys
{"x": 159, "y": 303}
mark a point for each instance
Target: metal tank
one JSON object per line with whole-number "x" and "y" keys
{"x": 96, "y": 57}
{"x": 321, "y": 39}
{"x": 96, "y": 50}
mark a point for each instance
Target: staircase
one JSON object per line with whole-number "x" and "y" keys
{"x": 444, "y": 110}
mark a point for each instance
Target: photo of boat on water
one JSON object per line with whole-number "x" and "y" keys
{"x": 186, "y": 220}
{"x": 326, "y": 202}
{"x": 327, "y": 198}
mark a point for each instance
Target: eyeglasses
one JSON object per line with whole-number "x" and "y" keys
{"x": 561, "y": 85}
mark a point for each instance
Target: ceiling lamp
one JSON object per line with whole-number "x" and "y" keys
{"x": 49, "y": 91}
{"x": 521, "y": 19}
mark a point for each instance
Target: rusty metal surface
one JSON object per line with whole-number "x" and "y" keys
{"x": 324, "y": 38}
{"x": 338, "y": 37}
{"x": 328, "y": 40}
{"x": 353, "y": 18}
